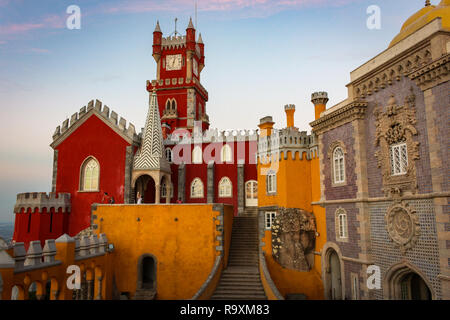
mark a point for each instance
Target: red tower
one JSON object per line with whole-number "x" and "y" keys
{"x": 181, "y": 97}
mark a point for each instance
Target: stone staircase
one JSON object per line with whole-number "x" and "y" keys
{"x": 241, "y": 279}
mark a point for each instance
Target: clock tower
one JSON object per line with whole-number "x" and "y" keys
{"x": 181, "y": 97}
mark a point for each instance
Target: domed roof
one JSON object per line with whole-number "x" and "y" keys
{"x": 422, "y": 17}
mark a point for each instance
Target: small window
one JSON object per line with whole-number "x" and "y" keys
{"x": 197, "y": 155}
{"x": 164, "y": 190}
{"x": 90, "y": 172}
{"x": 197, "y": 188}
{"x": 226, "y": 155}
{"x": 169, "y": 155}
{"x": 342, "y": 222}
{"x": 399, "y": 159}
{"x": 270, "y": 218}
{"x": 225, "y": 188}
{"x": 339, "y": 165}
{"x": 271, "y": 182}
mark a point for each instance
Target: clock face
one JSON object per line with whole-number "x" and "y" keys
{"x": 173, "y": 62}
{"x": 195, "y": 67}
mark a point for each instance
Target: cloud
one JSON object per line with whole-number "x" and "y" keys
{"x": 39, "y": 50}
{"x": 2, "y": 42}
{"x": 47, "y": 22}
{"x": 258, "y": 7}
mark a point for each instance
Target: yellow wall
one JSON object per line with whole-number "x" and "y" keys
{"x": 181, "y": 237}
{"x": 298, "y": 186}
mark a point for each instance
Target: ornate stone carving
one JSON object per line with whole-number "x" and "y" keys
{"x": 395, "y": 125}
{"x": 402, "y": 225}
{"x": 293, "y": 239}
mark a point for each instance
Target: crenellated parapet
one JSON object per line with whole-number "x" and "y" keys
{"x": 175, "y": 82}
{"x": 173, "y": 42}
{"x": 41, "y": 200}
{"x": 33, "y": 269}
{"x": 110, "y": 117}
{"x": 287, "y": 141}
{"x": 211, "y": 136}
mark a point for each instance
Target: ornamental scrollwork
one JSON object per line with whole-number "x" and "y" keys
{"x": 393, "y": 125}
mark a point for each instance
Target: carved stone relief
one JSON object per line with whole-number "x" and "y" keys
{"x": 293, "y": 239}
{"x": 396, "y": 124}
{"x": 402, "y": 225}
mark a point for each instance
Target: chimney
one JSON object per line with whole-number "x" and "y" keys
{"x": 290, "y": 110}
{"x": 320, "y": 100}
{"x": 266, "y": 126}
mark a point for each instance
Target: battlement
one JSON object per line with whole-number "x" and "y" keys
{"x": 24, "y": 269}
{"x": 174, "y": 42}
{"x": 164, "y": 83}
{"x": 289, "y": 107}
{"x": 319, "y": 97}
{"x": 42, "y": 200}
{"x": 104, "y": 112}
{"x": 211, "y": 136}
{"x": 287, "y": 140}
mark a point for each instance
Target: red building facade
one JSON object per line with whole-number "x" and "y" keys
{"x": 95, "y": 153}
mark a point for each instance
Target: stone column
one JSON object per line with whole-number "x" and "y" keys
{"x": 90, "y": 289}
{"x": 241, "y": 187}
{"x": 210, "y": 195}
{"x": 99, "y": 294}
{"x": 157, "y": 193}
{"x": 128, "y": 196}
{"x": 55, "y": 170}
{"x": 182, "y": 182}
{"x": 168, "y": 189}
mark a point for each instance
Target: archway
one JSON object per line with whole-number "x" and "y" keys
{"x": 145, "y": 185}
{"x": 406, "y": 283}
{"x": 147, "y": 272}
{"x": 335, "y": 276}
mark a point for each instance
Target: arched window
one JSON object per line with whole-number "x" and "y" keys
{"x": 226, "y": 154}
{"x": 339, "y": 165}
{"x": 90, "y": 173}
{"x": 342, "y": 224}
{"x": 169, "y": 155}
{"x": 174, "y": 105}
{"x": 197, "y": 188}
{"x": 197, "y": 155}
{"x": 171, "y": 105}
{"x": 271, "y": 182}
{"x": 225, "y": 188}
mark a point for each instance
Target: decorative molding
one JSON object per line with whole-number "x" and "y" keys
{"x": 348, "y": 113}
{"x": 433, "y": 73}
{"x": 394, "y": 125}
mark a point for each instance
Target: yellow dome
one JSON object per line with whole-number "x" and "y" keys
{"x": 422, "y": 17}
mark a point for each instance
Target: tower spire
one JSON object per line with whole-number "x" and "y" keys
{"x": 150, "y": 155}
{"x": 191, "y": 25}
{"x": 157, "y": 28}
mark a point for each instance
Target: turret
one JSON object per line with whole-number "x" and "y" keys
{"x": 201, "y": 45}
{"x": 266, "y": 126}
{"x": 290, "y": 110}
{"x": 320, "y": 100}
{"x": 157, "y": 42}
{"x": 190, "y": 36}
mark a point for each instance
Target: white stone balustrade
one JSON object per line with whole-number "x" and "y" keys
{"x": 34, "y": 254}
{"x": 49, "y": 251}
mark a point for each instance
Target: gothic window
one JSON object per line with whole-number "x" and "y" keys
{"x": 174, "y": 105}
{"x": 399, "y": 159}
{"x": 226, "y": 154}
{"x": 169, "y": 155}
{"x": 171, "y": 105}
{"x": 342, "y": 226}
{"x": 90, "y": 172}
{"x": 197, "y": 188}
{"x": 270, "y": 218}
{"x": 271, "y": 182}
{"x": 225, "y": 188}
{"x": 197, "y": 155}
{"x": 339, "y": 165}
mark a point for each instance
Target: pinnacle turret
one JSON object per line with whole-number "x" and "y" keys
{"x": 200, "y": 40}
{"x": 191, "y": 25}
{"x": 157, "y": 28}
